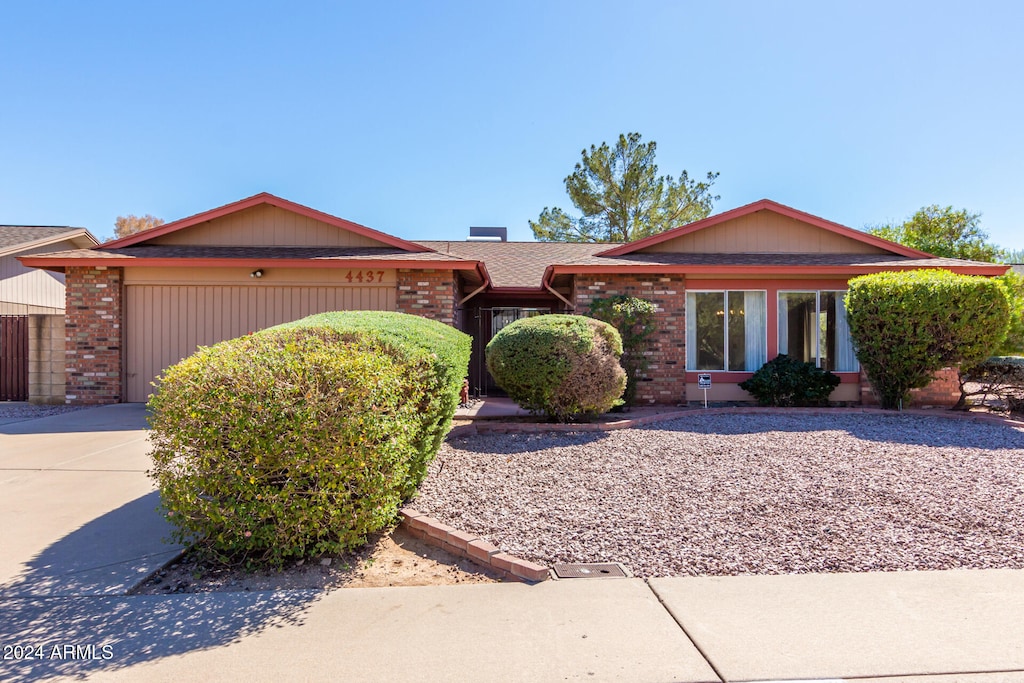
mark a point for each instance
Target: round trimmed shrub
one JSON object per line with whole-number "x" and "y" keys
{"x": 908, "y": 325}
{"x": 296, "y": 441}
{"x": 564, "y": 366}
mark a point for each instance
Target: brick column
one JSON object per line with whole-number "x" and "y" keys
{"x": 427, "y": 293}
{"x": 92, "y": 318}
{"x": 665, "y": 379}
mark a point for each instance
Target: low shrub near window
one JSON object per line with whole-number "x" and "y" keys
{"x": 300, "y": 440}
{"x": 634, "y": 320}
{"x": 564, "y": 366}
{"x": 997, "y": 383}
{"x": 785, "y": 381}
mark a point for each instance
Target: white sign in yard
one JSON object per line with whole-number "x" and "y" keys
{"x": 704, "y": 382}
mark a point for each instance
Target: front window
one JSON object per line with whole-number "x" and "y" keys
{"x": 813, "y": 328}
{"x": 726, "y": 330}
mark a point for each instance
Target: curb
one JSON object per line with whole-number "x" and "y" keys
{"x": 473, "y": 548}
{"x": 538, "y": 427}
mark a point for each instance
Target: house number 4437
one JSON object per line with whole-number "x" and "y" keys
{"x": 365, "y": 276}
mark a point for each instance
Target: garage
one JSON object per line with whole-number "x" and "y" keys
{"x": 166, "y": 322}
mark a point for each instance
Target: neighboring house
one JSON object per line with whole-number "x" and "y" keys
{"x": 32, "y": 312}
{"x": 732, "y": 290}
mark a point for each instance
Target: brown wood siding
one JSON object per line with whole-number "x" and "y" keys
{"x": 764, "y": 232}
{"x": 266, "y": 226}
{"x": 165, "y": 323}
{"x": 20, "y": 284}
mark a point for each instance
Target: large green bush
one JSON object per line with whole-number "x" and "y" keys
{"x": 1014, "y": 286}
{"x": 908, "y": 325}
{"x": 301, "y": 440}
{"x": 785, "y": 381}
{"x": 564, "y": 366}
{"x": 634, "y": 319}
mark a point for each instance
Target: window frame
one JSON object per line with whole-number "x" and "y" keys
{"x": 725, "y": 323}
{"x": 817, "y": 317}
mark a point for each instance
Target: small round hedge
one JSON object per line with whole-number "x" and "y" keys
{"x": 301, "y": 440}
{"x": 564, "y": 366}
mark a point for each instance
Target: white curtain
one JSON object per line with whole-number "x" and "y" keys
{"x": 846, "y": 358}
{"x": 755, "y": 330}
{"x": 691, "y": 331}
{"x": 783, "y": 323}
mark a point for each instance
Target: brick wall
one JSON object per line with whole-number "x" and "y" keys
{"x": 665, "y": 379}
{"x": 428, "y": 293}
{"x": 944, "y": 390}
{"x": 92, "y": 321}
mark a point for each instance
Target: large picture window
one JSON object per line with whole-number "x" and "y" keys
{"x": 726, "y": 330}
{"x": 813, "y": 328}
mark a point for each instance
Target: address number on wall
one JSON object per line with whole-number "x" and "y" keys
{"x": 365, "y": 276}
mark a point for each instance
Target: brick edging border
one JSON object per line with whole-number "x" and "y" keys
{"x": 489, "y": 427}
{"x": 473, "y": 548}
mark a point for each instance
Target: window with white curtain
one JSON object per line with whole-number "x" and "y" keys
{"x": 726, "y": 330}
{"x": 813, "y": 328}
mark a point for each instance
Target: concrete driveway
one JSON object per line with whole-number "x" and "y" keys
{"x": 78, "y": 513}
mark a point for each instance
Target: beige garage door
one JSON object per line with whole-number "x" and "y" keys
{"x": 165, "y": 323}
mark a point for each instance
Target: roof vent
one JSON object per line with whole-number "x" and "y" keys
{"x": 488, "y": 235}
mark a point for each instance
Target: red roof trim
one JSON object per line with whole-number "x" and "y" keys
{"x": 257, "y": 200}
{"x": 765, "y": 205}
{"x": 121, "y": 262}
{"x": 551, "y": 271}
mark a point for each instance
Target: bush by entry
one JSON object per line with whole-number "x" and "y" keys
{"x": 564, "y": 366}
{"x": 302, "y": 439}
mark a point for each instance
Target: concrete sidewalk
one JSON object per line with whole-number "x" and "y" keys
{"x": 79, "y": 527}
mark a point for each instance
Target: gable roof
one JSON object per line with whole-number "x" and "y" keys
{"x": 18, "y": 238}
{"x": 263, "y": 198}
{"x": 774, "y": 207}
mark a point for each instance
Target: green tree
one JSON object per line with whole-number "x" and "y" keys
{"x": 622, "y": 197}
{"x": 943, "y": 231}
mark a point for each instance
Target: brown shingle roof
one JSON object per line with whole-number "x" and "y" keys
{"x": 517, "y": 264}
{"x": 770, "y": 260}
{"x": 248, "y": 253}
{"x": 13, "y": 235}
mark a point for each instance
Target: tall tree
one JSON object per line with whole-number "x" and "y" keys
{"x": 622, "y": 197}
{"x": 943, "y": 231}
{"x": 131, "y": 224}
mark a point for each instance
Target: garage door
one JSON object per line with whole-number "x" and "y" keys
{"x": 165, "y": 323}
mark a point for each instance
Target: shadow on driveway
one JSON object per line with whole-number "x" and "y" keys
{"x": 106, "y": 556}
{"x": 80, "y": 636}
{"x": 68, "y": 613}
{"x": 904, "y": 428}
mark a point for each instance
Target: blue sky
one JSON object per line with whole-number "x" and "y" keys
{"x": 421, "y": 119}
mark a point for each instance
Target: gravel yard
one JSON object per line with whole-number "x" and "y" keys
{"x": 764, "y": 493}
{"x": 17, "y": 410}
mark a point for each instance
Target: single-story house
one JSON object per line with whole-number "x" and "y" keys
{"x": 732, "y": 290}
{"x": 32, "y": 312}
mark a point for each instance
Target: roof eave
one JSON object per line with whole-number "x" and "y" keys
{"x": 81, "y": 237}
{"x": 852, "y": 270}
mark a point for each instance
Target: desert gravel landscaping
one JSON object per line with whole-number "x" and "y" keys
{"x": 763, "y": 493}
